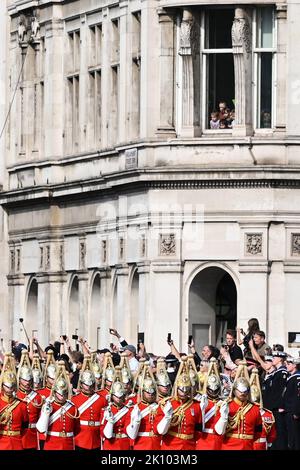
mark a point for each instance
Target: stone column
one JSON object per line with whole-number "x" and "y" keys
{"x": 281, "y": 14}
{"x": 123, "y": 74}
{"x": 165, "y": 304}
{"x": 166, "y": 127}
{"x": 105, "y": 78}
{"x": 104, "y": 320}
{"x": 144, "y": 301}
{"x": 253, "y": 278}
{"x": 83, "y": 289}
{"x": 54, "y": 85}
{"x": 241, "y": 48}
{"x": 190, "y": 82}
{"x": 16, "y": 286}
{"x": 121, "y": 316}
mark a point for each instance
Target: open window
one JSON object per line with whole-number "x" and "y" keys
{"x": 218, "y": 69}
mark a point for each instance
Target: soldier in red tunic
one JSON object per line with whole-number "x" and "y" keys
{"x": 115, "y": 417}
{"x": 127, "y": 379}
{"x": 107, "y": 377}
{"x": 48, "y": 381}
{"x": 32, "y": 400}
{"x": 58, "y": 416}
{"x": 145, "y": 415}
{"x": 13, "y": 413}
{"x": 244, "y": 421}
{"x": 181, "y": 414}
{"x": 214, "y": 411}
{"x": 89, "y": 404}
{"x": 268, "y": 434}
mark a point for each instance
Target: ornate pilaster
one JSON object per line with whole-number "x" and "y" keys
{"x": 166, "y": 114}
{"x": 189, "y": 52}
{"x": 241, "y": 48}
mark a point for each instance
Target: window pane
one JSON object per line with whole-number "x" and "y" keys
{"x": 265, "y": 27}
{"x": 220, "y": 84}
{"x": 218, "y": 29}
{"x": 265, "y": 80}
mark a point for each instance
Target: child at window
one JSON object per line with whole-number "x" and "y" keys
{"x": 223, "y": 124}
{"x": 214, "y": 120}
{"x": 231, "y": 119}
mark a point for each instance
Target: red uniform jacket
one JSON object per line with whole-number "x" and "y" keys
{"x": 64, "y": 424}
{"x": 246, "y": 430}
{"x": 268, "y": 434}
{"x": 181, "y": 436}
{"x": 11, "y": 433}
{"x": 88, "y": 424}
{"x": 104, "y": 393}
{"x": 208, "y": 439}
{"x": 120, "y": 440}
{"x": 148, "y": 437}
{"x": 33, "y": 402}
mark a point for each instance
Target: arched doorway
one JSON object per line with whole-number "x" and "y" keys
{"x": 212, "y": 306}
{"x": 74, "y": 309}
{"x": 31, "y": 321}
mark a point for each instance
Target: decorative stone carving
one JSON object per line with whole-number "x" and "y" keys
{"x": 41, "y": 257}
{"x": 296, "y": 244}
{"x": 62, "y": 257}
{"x": 104, "y": 251}
{"x": 35, "y": 29}
{"x": 18, "y": 264}
{"x": 241, "y": 33}
{"x": 143, "y": 246}
{"x": 47, "y": 263}
{"x": 186, "y": 33}
{"x": 12, "y": 260}
{"x": 121, "y": 248}
{"x": 253, "y": 243}
{"x": 167, "y": 245}
{"x": 82, "y": 257}
{"x": 22, "y": 30}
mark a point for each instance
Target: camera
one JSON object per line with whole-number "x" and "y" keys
{"x": 225, "y": 346}
{"x": 75, "y": 337}
{"x": 169, "y": 339}
{"x": 65, "y": 337}
{"x": 190, "y": 340}
{"x": 21, "y": 320}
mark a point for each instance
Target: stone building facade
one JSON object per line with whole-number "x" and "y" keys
{"x": 124, "y": 208}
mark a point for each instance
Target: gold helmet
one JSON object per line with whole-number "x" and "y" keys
{"x": 212, "y": 384}
{"x": 50, "y": 369}
{"x": 125, "y": 369}
{"x": 183, "y": 380}
{"x": 255, "y": 390}
{"x": 8, "y": 375}
{"x": 147, "y": 382}
{"x": 95, "y": 365}
{"x": 62, "y": 382}
{"x": 37, "y": 373}
{"x": 117, "y": 388}
{"x": 241, "y": 380}
{"x": 138, "y": 375}
{"x": 193, "y": 372}
{"x": 87, "y": 376}
{"x": 162, "y": 377}
{"x": 24, "y": 371}
{"x": 108, "y": 369}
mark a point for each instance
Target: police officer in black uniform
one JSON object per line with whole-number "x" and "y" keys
{"x": 292, "y": 403}
{"x": 273, "y": 389}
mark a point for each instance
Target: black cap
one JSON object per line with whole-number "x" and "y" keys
{"x": 281, "y": 354}
{"x": 170, "y": 358}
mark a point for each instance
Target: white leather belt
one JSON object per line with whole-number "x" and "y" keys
{"x": 208, "y": 431}
{"x": 120, "y": 436}
{"x": 90, "y": 423}
{"x": 147, "y": 434}
{"x": 31, "y": 425}
{"x": 262, "y": 439}
{"x": 60, "y": 434}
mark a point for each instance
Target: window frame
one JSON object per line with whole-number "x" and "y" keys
{"x": 256, "y": 59}
{"x": 204, "y": 53}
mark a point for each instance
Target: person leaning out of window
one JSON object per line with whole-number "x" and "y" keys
{"x": 244, "y": 338}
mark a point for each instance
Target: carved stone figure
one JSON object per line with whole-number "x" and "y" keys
{"x": 35, "y": 28}
{"x": 254, "y": 243}
{"x": 167, "y": 245}
{"x": 22, "y": 29}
